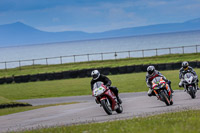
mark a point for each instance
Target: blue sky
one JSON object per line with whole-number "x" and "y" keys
{"x": 96, "y": 15}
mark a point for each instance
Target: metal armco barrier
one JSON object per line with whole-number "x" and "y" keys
{"x": 100, "y": 56}
{"x": 86, "y": 72}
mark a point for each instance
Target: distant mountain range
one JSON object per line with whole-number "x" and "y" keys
{"x": 20, "y": 34}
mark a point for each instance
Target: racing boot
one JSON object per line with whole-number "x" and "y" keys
{"x": 115, "y": 91}
{"x": 198, "y": 87}
{"x": 171, "y": 89}
{"x": 149, "y": 93}
{"x": 119, "y": 100}
{"x": 169, "y": 83}
{"x": 197, "y": 84}
{"x": 184, "y": 89}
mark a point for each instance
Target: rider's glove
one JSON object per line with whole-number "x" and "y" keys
{"x": 107, "y": 85}
{"x": 195, "y": 77}
{"x": 166, "y": 80}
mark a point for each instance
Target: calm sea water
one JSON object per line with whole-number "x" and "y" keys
{"x": 99, "y": 46}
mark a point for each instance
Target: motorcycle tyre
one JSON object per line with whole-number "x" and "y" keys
{"x": 165, "y": 98}
{"x": 171, "y": 102}
{"x": 119, "y": 109}
{"x": 105, "y": 107}
{"x": 192, "y": 92}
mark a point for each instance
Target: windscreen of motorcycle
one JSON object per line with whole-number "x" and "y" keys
{"x": 188, "y": 75}
{"x": 98, "y": 89}
{"x": 97, "y": 85}
{"x": 156, "y": 80}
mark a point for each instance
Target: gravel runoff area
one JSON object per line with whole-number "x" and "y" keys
{"x": 134, "y": 104}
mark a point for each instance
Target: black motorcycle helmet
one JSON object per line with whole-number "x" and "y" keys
{"x": 150, "y": 70}
{"x": 185, "y": 65}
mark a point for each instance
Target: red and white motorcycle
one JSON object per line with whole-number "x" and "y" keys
{"x": 106, "y": 98}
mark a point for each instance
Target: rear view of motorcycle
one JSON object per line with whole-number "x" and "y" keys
{"x": 106, "y": 98}
{"x": 162, "y": 90}
{"x": 189, "y": 83}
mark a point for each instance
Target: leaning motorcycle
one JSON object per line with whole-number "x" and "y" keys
{"x": 162, "y": 90}
{"x": 189, "y": 84}
{"x": 106, "y": 98}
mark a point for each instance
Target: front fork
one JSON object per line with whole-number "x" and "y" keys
{"x": 169, "y": 93}
{"x": 186, "y": 87}
{"x": 157, "y": 94}
{"x": 168, "y": 90}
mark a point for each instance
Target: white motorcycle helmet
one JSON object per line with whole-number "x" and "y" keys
{"x": 185, "y": 65}
{"x": 150, "y": 70}
{"x": 95, "y": 74}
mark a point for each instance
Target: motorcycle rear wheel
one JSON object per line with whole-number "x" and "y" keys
{"x": 106, "y": 107}
{"x": 119, "y": 109}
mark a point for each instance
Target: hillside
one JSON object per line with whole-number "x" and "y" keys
{"x": 20, "y": 34}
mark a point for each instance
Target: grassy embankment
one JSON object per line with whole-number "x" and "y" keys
{"x": 177, "y": 122}
{"x": 98, "y": 64}
{"x": 134, "y": 82}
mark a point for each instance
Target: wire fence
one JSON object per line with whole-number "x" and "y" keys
{"x": 100, "y": 56}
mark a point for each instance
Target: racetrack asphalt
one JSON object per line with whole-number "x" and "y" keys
{"x": 87, "y": 111}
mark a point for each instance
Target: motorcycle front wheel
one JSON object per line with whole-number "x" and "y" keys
{"x": 192, "y": 92}
{"x": 164, "y": 97}
{"x": 106, "y": 106}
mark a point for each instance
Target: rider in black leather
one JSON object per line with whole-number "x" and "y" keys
{"x": 96, "y": 76}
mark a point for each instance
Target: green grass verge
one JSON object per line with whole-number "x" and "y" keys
{"x": 7, "y": 111}
{"x": 97, "y": 64}
{"x": 179, "y": 122}
{"x": 4, "y": 100}
{"x": 134, "y": 82}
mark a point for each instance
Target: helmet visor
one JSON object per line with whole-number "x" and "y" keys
{"x": 95, "y": 76}
{"x": 150, "y": 72}
{"x": 185, "y": 67}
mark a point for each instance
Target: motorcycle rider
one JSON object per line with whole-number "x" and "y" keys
{"x": 151, "y": 74}
{"x": 96, "y": 76}
{"x": 187, "y": 69}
